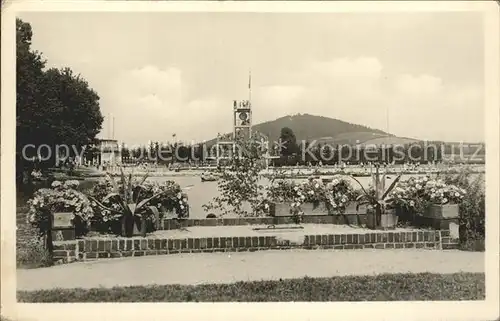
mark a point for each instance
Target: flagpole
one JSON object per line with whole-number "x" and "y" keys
{"x": 250, "y": 85}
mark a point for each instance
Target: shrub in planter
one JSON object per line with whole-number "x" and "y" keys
{"x": 285, "y": 197}
{"x": 471, "y": 208}
{"x": 428, "y": 197}
{"x": 339, "y": 194}
{"x": 380, "y": 206}
{"x": 310, "y": 197}
{"x": 443, "y": 198}
{"x": 61, "y": 197}
{"x": 404, "y": 203}
{"x": 134, "y": 204}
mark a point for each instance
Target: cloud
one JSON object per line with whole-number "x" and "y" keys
{"x": 153, "y": 103}
{"x": 418, "y": 85}
{"x": 348, "y": 70}
{"x": 150, "y": 103}
{"x": 358, "y": 90}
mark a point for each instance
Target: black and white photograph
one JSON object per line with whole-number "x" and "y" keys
{"x": 226, "y": 155}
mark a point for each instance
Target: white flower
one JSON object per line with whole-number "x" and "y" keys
{"x": 335, "y": 181}
{"x": 412, "y": 203}
{"x": 334, "y": 205}
{"x": 266, "y": 206}
{"x": 344, "y": 199}
{"x": 425, "y": 179}
{"x": 311, "y": 192}
{"x": 296, "y": 188}
{"x": 418, "y": 186}
{"x": 316, "y": 186}
{"x": 182, "y": 207}
{"x": 184, "y": 200}
{"x": 445, "y": 200}
{"x": 179, "y": 195}
{"x": 56, "y": 184}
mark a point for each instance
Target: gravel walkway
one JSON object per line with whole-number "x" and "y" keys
{"x": 243, "y": 266}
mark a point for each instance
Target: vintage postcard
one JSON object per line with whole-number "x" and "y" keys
{"x": 313, "y": 156}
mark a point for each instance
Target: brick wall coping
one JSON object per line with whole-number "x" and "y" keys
{"x": 90, "y": 249}
{"x": 248, "y": 230}
{"x": 169, "y": 224}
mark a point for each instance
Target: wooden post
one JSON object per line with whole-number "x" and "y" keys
{"x": 48, "y": 238}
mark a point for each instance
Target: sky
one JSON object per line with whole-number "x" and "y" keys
{"x": 159, "y": 74}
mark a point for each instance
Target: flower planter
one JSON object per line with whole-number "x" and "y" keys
{"x": 314, "y": 209}
{"x": 281, "y": 209}
{"x": 405, "y": 215}
{"x": 388, "y": 220}
{"x": 62, "y": 228}
{"x": 446, "y": 211}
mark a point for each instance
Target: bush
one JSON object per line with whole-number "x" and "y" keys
{"x": 472, "y": 208}
{"x": 385, "y": 287}
{"x": 32, "y": 254}
{"x": 111, "y": 199}
{"x": 61, "y": 197}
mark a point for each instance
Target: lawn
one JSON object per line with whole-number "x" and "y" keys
{"x": 385, "y": 287}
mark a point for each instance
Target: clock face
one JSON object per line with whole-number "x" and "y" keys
{"x": 243, "y": 116}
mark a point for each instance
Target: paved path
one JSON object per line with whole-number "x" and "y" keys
{"x": 242, "y": 266}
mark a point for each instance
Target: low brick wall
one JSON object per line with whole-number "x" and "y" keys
{"x": 169, "y": 224}
{"x": 89, "y": 249}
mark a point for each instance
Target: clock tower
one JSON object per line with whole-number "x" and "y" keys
{"x": 242, "y": 119}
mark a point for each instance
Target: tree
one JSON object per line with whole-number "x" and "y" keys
{"x": 289, "y": 147}
{"x": 54, "y": 107}
{"x": 29, "y": 74}
{"x": 239, "y": 182}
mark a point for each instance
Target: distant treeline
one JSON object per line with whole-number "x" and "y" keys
{"x": 423, "y": 153}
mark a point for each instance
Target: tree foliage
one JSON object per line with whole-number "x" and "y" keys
{"x": 289, "y": 142}
{"x": 241, "y": 192}
{"x": 53, "y": 107}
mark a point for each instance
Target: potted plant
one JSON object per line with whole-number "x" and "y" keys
{"x": 313, "y": 198}
{"x": 406, "y": 201}
{"x": 127, "y": 201}
{"x": 281, "y": 194}
{"x": 380, "y": 210}
{"x": 62, "y": 197}
{"x": 444, "y": 199}
{"x": 339, "y": 194}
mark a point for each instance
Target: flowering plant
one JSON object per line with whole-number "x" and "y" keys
{"x": 339, "y": 194}
{"x": 335, "y": 195}
{"x": 438, "y": 192}
{"x": 62, "y": 196}
{"x": 171, "y": 199}
{"x": 417, "y": 193}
